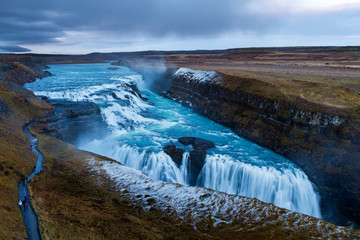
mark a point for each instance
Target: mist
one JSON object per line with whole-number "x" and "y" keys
{"x": 156, "y": 74}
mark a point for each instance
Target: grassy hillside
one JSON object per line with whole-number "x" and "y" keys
{"x": 16, "y": 157}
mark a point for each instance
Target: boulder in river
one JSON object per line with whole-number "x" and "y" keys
{"x": 197, "y": 161}
{"x": 197, "y": 155}
{"x": 197, "y": 143}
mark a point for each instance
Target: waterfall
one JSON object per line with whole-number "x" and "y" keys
{"x": 185, "y": 167}
{"x": 139, "y": 129}
{"x": 156, "y": 165}
{"x": 289, "y": 189}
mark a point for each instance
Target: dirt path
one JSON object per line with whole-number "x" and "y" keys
{"x": 28, "y": 212}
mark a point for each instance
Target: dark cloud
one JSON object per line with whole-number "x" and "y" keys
{"x": 12, "y": 49}
{"x": 28, "y": 32}
{"x": 44, "y": 21}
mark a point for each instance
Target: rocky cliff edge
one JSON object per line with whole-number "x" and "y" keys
{"x": 321, "y": 137}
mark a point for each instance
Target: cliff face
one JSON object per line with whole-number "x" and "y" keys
{"x": 323, "y": 141}
{"x": 74, "y": 120}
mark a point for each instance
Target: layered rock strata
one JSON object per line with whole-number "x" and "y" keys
{"x": 72, "y": 121}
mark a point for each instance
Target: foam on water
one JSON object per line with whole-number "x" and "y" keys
{"x": 139, "y": 130}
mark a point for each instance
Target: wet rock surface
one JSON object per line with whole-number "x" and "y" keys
{"x": 197, "y": 154}
{"x": 197, "y": 143}
{"x": 197, "y": 161}
{"x": 136, "y": 91}
{"x": 113, "y": 68}
{"x": 175, "y": 153}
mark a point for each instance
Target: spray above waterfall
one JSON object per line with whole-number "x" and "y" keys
{"x": 156, "y": 75}
{"x": 141, "y": 123}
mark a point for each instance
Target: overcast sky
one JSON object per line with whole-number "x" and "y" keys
{"x": 84, "y": 26}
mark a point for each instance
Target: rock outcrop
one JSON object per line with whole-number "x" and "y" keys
{"x": 197, "y": 155}
{"x": 175, "y": 153}
{"x": 323, "y": 141}
{"x": 197, "y": 143}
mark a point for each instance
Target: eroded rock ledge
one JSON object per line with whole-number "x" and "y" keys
{"x": 323, "y": 141}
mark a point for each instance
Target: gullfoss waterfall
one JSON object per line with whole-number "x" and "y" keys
{"x": 141, "y": 123}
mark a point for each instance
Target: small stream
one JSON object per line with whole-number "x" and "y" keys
{"x": 29, "y": 215}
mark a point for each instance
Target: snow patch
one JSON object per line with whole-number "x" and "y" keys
{"x": 198, "y": 204}
{"x": 198, "y": 75}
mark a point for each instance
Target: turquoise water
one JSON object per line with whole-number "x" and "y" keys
{"x": 138, "y": 130}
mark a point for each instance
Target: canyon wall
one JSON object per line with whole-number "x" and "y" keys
{"x": 323, "y": 141}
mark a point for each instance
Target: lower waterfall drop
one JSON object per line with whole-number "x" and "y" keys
{"x": 289, "y": 189}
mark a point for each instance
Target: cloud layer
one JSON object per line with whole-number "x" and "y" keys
{"x": 27, "y": 23}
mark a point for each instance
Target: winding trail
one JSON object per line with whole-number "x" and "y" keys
{"x": 29, "y": 215}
